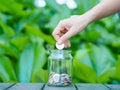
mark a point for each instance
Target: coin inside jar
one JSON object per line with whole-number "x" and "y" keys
{"x": 56, "y": 77}
{"x": 59, "y": 79}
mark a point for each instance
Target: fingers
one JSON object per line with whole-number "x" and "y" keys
{"x": 57, "y": 31}
{"x": 67, "y": 44}
{"x": 68, "y": 28}
{"x": 67, "y": 35}
{"x": 60, "y": 30}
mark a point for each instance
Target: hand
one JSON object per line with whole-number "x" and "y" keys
{"x": 68, "y": 28}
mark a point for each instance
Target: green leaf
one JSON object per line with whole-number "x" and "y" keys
{"x": 107, "y": 37}
{"x": 83, "y": 73}
{"x": 54, "y": 6}
{"x": 101, "y": 58}
{"x": 25, "y": 64}
{"x": 16, "y": 9}
{"x": 39, "y": 54}
{"x": 10, "y": 50}
{"x": 90, "y": 33}
{"x": 32, "y": 29}
{"x": 4, "y": 17}
{"x": 82, "y": 55}
{"x": 26, "y": 3}
{"x": 107, "y": 75}
{"x": 85, "y": 5}
{"x": 20, "y": 42}
{"x": 7, "y": 72}
{"x": 40, "y": 76}
{"x": 32, "y": 59}
{"x": 54, "y": 21}
{"x": 7, "y": 29}
{"x": 118, "y": 68}
{"x": 29, "y": 18}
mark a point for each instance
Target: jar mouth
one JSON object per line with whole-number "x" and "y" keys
{"x": 61, "y": 51}
{"x": 60, "y": 54}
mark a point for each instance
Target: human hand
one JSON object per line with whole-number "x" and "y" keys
{"x": 73, "y": 25}
{"x": 68, "y": 28}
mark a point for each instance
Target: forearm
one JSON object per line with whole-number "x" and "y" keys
{"x": 103, "y": 9}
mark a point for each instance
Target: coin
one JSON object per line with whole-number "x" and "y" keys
{"x": 51, "y": 74}
{"x": 59, "y": 79}
{"x": 60, "y": 46}
{"x": 51, "y": 81}
{"x": 56, "y": 77}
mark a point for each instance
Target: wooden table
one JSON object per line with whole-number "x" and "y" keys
{"x": 41, "y": 86}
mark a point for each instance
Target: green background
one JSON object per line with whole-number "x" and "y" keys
{"x": 25, "y": 31}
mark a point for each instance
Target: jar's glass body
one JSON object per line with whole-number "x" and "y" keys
{"x": 60, "y": 68}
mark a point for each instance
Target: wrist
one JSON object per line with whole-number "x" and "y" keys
{"x": 90, "y": 16}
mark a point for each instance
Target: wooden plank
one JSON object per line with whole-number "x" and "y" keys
{"x": 27, "y": 86}
{"x": 91, "y": 87}
{"x": 113, "y": 87}
{"x": 59, "y": 88}
{"x": 39, "y": 86}
{"x": 4, "y": 86}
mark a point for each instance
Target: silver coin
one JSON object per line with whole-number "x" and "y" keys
{"x": 51, "y": 74}
{"x": 51, "y": 81}
{"x": 60, "y": 46}
{"x": 56, "y": 77}
{"x": 59, "y": 79}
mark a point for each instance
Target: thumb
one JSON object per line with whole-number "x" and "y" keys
{"x": 66, "y": 36}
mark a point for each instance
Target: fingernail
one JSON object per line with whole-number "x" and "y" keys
{"x": 59, "y": 42}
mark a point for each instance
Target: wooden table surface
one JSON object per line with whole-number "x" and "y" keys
{"x": 41, "y": 86}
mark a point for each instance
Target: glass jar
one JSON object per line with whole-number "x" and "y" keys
{"x": 60, "y": 68}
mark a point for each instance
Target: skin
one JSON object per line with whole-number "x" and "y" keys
{"x": 69, "y": 27}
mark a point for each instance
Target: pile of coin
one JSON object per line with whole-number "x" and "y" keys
{"x": 59, "y": 79}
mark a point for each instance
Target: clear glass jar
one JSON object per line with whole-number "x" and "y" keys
{"x": 60, "y": 68}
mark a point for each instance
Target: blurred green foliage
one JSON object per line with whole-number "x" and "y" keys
{"x": 25, "y": 30}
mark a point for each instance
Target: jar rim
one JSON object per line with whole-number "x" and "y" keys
{"x": 60, "y": 54}
{"x": 61, "y": 51}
